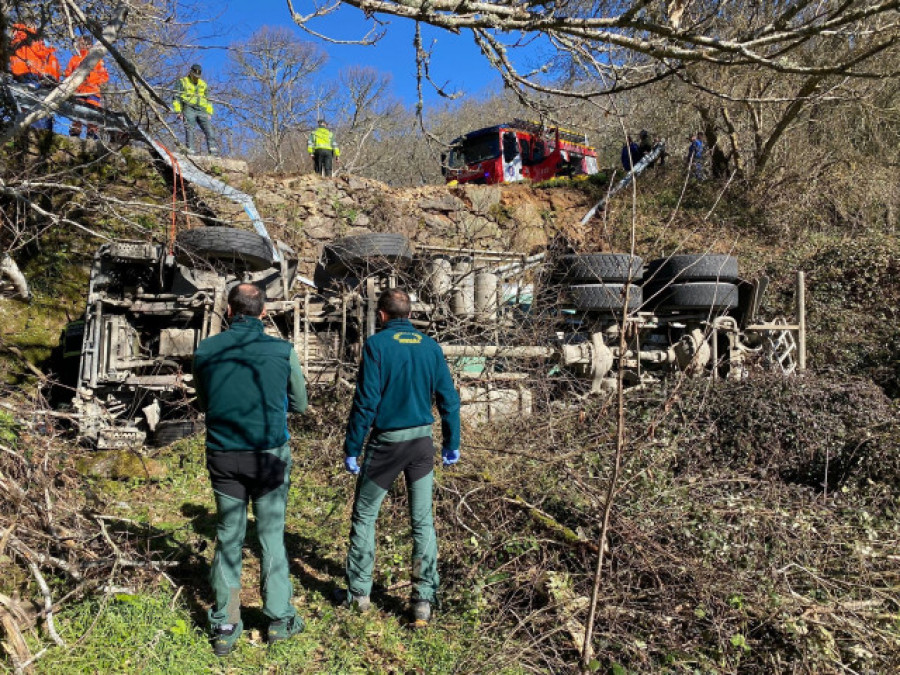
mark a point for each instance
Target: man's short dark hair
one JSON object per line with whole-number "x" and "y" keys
{"x": 395, "y": 303}
{"x": 247, "y": 299}
{"x": 196, "y": 69}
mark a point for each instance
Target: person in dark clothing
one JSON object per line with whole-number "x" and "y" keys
{"x": 631, "y": 154}
{"x": 401, "y": 371}
{"x": 246, "y": 384}
{"x": 695, "y": 155}
{"x": 645, "y": 147}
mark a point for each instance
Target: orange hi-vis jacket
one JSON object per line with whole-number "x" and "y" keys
{"x": 98, "y": 76}
{"x": 34, "y": 57}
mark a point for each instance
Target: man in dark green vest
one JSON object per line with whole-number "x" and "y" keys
{"x": 401, "y": 372}
{"x": 246, "y": 384}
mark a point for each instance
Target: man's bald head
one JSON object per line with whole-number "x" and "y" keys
{"x": 248, "y": 300}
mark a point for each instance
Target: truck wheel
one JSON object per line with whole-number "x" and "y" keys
{"x": 240, "y": 249}
{"x": 702, "y": 295}
{"x": 169, "y": 431}
{"x": 706, "y": 267}
{"x": 615, "y": 267}
{"x": 605, "y": 297}
{"x": 366, "y": 250}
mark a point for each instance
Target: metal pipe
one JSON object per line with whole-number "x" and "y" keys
{"x": 371, "y": 302}
{"x": 530, "y": 261}
{"x": 715, "y": 353}
{"x": 531, "y": 352}
{"x": 651, "y": 355}
{"x": 484, "y": 253}
{"x": 801, "y": 321}
{"x": 305, "y": 328}
{"x": 97, "y": 340}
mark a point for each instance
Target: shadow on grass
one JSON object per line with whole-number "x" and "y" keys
{"x": 193, "y": 572}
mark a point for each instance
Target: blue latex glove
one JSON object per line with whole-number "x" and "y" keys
{"x": 450, "y": 456}
{"x": 351, "y": 465}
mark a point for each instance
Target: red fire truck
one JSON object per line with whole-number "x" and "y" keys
{"x": 518, "y": 151}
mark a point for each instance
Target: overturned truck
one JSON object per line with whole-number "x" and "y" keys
{"x": 508, "y": 323}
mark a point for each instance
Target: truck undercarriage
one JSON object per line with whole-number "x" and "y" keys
{"x": 509, "y": 324}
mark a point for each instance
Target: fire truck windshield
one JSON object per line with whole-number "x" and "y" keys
{"x": 475, "y": 150}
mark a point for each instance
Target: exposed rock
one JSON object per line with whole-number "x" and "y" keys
{"x": 219, "y": 165}
{"x": 527, "y": 227}
{"x": 307, "y": 211}
{"x": 445, "y": 203}
{"x": 270, "y": 199}
{"x": 482, "y": 197}
{"x": 437, "y": 223}
{"x": 356, "y": 231}
{"x": 318, "y": 228}
{"x": 355, "y": 183}
{"x": 476, "y": 228}
{"x": 306, "y": 196}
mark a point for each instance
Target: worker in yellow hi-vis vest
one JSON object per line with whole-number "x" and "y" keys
{"x": 193, "y": 108}
{"x": 323, "y": 149}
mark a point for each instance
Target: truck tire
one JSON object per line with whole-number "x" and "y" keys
{"x": 239, "y": 249}
{"x": 169, "y": 431}
{"x": 703, "y": 267}
{"x": 604, "y": 297}
{"x": 614, "y": 267}
{"x": 698, "y": 295}
{"x": 365, "y": 250}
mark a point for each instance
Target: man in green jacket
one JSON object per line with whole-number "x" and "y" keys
{"x": 323, "y": 149}
{"x": 401, "y": 371}
{"x": 246, "y": 383}
{"x": 193, "y": 108}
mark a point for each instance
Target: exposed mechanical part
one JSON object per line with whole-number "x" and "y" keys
{"x": 149, "y": 308}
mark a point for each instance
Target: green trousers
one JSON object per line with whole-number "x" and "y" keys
{"x": 200, "y": 117}
{"x": 382, "y": 464}
{"x": 263, "y": 479}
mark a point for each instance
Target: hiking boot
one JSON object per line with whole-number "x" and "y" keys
{"x": 225, "y": 638}
{"x": 284, "y": 629}
{"x": 421, "y": 614}
{"x": 361, "y": 603}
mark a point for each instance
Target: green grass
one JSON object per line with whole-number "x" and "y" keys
{"x": 154, "y": 632}
{"x": 161, "y": 630}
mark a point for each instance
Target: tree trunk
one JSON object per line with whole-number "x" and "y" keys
{"x": 735, "y": 144}
{"x": 789, "y": 115}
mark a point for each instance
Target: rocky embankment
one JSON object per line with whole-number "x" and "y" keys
{"x": 307, "y": 211}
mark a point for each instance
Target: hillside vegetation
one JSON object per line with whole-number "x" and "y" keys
{"x": 754, "y": 524}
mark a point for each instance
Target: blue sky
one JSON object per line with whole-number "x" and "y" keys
{"x": 456, "y": 62}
